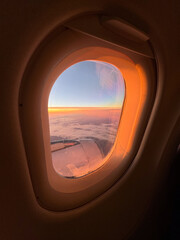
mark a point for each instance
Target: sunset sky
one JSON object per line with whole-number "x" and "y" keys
{"x": 88, "y": 84}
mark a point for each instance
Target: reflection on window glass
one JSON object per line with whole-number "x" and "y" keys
{"x": 84, "y": 109}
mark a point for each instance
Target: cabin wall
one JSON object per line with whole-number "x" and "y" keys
{"x": 23, "y": 26}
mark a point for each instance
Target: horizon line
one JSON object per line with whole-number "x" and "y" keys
{"x": 56, "y": 109}
{"x": 117, "y": 107}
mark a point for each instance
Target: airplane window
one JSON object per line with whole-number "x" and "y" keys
{"x": 85, "y": 105}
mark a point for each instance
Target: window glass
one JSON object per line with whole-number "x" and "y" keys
{"x": 84, "y": 108}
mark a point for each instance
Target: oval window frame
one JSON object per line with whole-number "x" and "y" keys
{"x": 52, "y": 57}
{"x": 107, "y": 156}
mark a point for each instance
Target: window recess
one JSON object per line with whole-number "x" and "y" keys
{"x": 87, "y": 38}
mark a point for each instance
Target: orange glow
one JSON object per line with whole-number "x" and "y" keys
{"x": 140, "y": 105}
{"x": 89, "y": 111}
{"x": 72, "y": 109}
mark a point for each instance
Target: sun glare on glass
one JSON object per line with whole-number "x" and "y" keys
{"x": 84, "y": 108}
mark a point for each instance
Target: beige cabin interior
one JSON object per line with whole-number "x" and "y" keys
{"x": 136, "y": 202}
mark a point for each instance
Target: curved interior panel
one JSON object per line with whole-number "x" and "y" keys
{"x": 51, "y": 60}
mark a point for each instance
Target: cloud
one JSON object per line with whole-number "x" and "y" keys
{"x": 102, "y": 126}
{"x": 111, "y": 80}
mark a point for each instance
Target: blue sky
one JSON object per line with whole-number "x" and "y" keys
{"x": 88, "y": 84}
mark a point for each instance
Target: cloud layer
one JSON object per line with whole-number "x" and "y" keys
{"x": 96, "y": 124}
